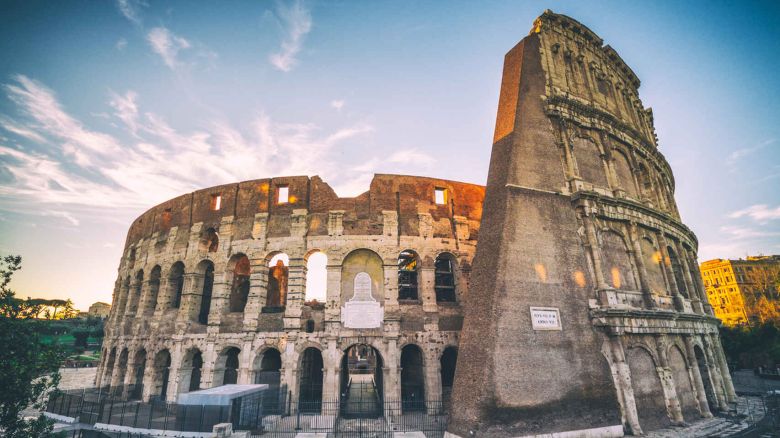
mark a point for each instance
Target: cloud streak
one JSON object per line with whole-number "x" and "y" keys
{"x": 760, "y": 212}
{"x": 296, "y": 21}
{"x": 166, "y": 44}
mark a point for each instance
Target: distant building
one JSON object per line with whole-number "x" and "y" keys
{"x": 99, "y": 309}
{"x": 735, "y": 287}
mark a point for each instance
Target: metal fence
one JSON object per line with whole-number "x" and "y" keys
{"x": 271, "y": 414}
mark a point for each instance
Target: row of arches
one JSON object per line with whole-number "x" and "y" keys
{"x": 612, "y": 168}
{"x": 240, "y": 276}
{"x": 362, "y": 366}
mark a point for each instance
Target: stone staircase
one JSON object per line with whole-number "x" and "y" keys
{"x": 749, "y": 410}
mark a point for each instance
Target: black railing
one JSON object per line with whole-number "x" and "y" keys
{"x": 269, "y": 414}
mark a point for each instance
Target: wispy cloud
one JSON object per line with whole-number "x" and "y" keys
{"x": 166, "y": 44}
{"x": 296, "y": 21}
{"x": 72, "y": 173}
{"x": 737, "y": 154}
{"x": 121, "y": 43}
{"x": 760, "y": 212}
{"x": 338, "y": 104}
{"x": 131, "y": 9}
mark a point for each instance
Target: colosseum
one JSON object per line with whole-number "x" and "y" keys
{"x": 585, "y": 310}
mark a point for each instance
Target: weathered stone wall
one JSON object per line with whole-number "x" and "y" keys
{"x": 580, "y": 218}
{"x": 149, "y": 336}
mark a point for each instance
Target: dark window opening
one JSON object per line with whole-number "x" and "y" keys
{"x": 197, "y": 364}
{"x": 216, "y": 202}
{"x": 205, "y": 302}
{"x": 231, "y": 366}
{"x": 278, "y": 275}
{"x": 177, "y": 284}
{"x": 444, "y": 279}
{"x": 407, "y": 275}
{"x": 239, "y": 290}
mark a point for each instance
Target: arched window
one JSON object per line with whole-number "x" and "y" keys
{"x": 162, "y": 370}
{"x": 278, "y": 274}
{"x": 268, "y": 370}
{"x": 445, "y": 278}
{"x": 310, "y": 398}
{"x": 229, "y": 360}
{"x": 209, "y": 241}
{"x": 412, "y": 379}
{"x": 408, "y": 263}
{"x": 316, "y": 277}
{"x": 674, "y": 261}
{"x": 624, "y": 175}
{"x": 139, "y": 368}
{"x": 616, "y": 263}
{"x": 176, "y": 284}
{"x": 208, "y": 285}
{"x": 196, "y": 361}
{"x": 154, "y": 288}
{"x": 136, "y": 295}
{"x": 239, "y": 289}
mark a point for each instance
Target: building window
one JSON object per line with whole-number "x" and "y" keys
{"x": 440, "y": 196}
{"x": 407, "y": 275}
{"x": 216, "y": 202}
{"x": 445, "y": 279}
{"x": 282, "y": 194}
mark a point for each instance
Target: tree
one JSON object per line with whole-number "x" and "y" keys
{"x": 28, "y": 368}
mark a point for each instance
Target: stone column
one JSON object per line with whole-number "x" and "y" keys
{"x": 693, "y": 294}
{"x": 715, "y": 374}
{"x": 164, "y": 297}
{"x": 330, "y": 380}
{"x": 175, "y": 384}
{"x": 595, "y": 252}
{"x": 720, "y": 356}
{"x": 290, "y": 360}
{"x": 150, "y": 374}
{"x": 667, "y": 267}
{"x": 700, "y": 289}
{"x": 258, "y": 289}
{"x": 209, "y": 365}
{"x": 621, "y": 375}
{"x": 667, "y": 382}
{"x": 433, "y": 396}
{"x": 390, "y": 271}
{"x": 333, "y": 294}
{"x": 425, "y": 289}
{"x": 640, "y": 263}
{"x": 190, "y": 300}
{"x": 693, "y": 368}
{"x": 296, "y": 284}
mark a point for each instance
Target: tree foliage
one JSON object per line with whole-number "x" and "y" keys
{"x": 751, "y": 347}
{"x": 28, "y": 368}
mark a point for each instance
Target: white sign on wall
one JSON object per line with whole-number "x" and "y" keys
{"x": 362, "y": 310}
{"x": 545, "y": 318}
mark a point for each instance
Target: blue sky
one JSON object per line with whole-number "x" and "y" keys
{"x": 107, "y": 108}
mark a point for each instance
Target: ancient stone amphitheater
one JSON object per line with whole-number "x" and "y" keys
{"x": 587, "y": 311}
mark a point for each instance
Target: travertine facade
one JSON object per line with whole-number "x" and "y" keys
{"x": 220, "y": 242}
{"x": 602, "y": 321}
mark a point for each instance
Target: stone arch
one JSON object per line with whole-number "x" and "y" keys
{"x": 209, "y": 241}
{"x": 361, "y": 381}
{"x": 121, "y": 369}
{"x": 191, "y": 370}
{"x": 175, "y": 284}
{"x": 108, "y": 369}
{"x": 226, "y": 366}
{"x": 267, "y": 367}
{"x": 646, "y": 185}
{"x": 138, "y": 370}
{"x": 408, "y": 273}
{"x": 412, "y": 378}
{"x": 653, "y": 259}
{"x": 648, "y": 392}
{"x": 590, "y": 165}
{"x": 444, "y": 278}
{"x": 316, "y": 276}
{"x": 135, "y": 296}
{"x": 205, "y": 271}
{"x": 238, "y": 279}
{"x": 706, "y": 378}
{"x": 616, "y": 261}
{"x": 357, "y": 261}
{"x": 278, "y": 277}
{"x": 623, "y": 172}
{"x": 310, "y": 380}
{"x": 154, "y": 288}
{"x": 161, "y": 374}
{"x": 683, "y": 384}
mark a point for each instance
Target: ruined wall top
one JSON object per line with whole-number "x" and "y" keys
{"x": 407, "y": 196}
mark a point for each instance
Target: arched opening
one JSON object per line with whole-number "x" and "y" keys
{"x": 154, "y": 288}
{"x": 124, "y": 297}
{"x": 268, "y": 371}
{"x": 239, "y": 288}
{"x": 615, "y": 262}
{"x": 361, "y": 382}
{"x": 408, "y": 265}
{"x": 648, "y": 392}
{"x": 674, "y": 261}
{"x": 121, "y": 369}
{"x": 589, "y": 161}
{"x": 278, "y": 275}
{"x": 209, "y": 241}
{"x": 226, "y": 372}
{"x": 176, "y": 284}
{"x": 412, "y": 379}
{"x": 316, "y": 278}
{"x": 683, "y": 384}
{"x": 139, "y": 367}
{"x": 624, "y": 174}
{"x": 704, "y": 371}
{"x": 444, "y": 272}
{"x": 310, "y": 384}
{"x": 207, "y": 270}
{"x": 108, "y": 371}
{"x": 448, "y": 361}
{"x": 162, "y": 371}
{"x": 192, "y": 367}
